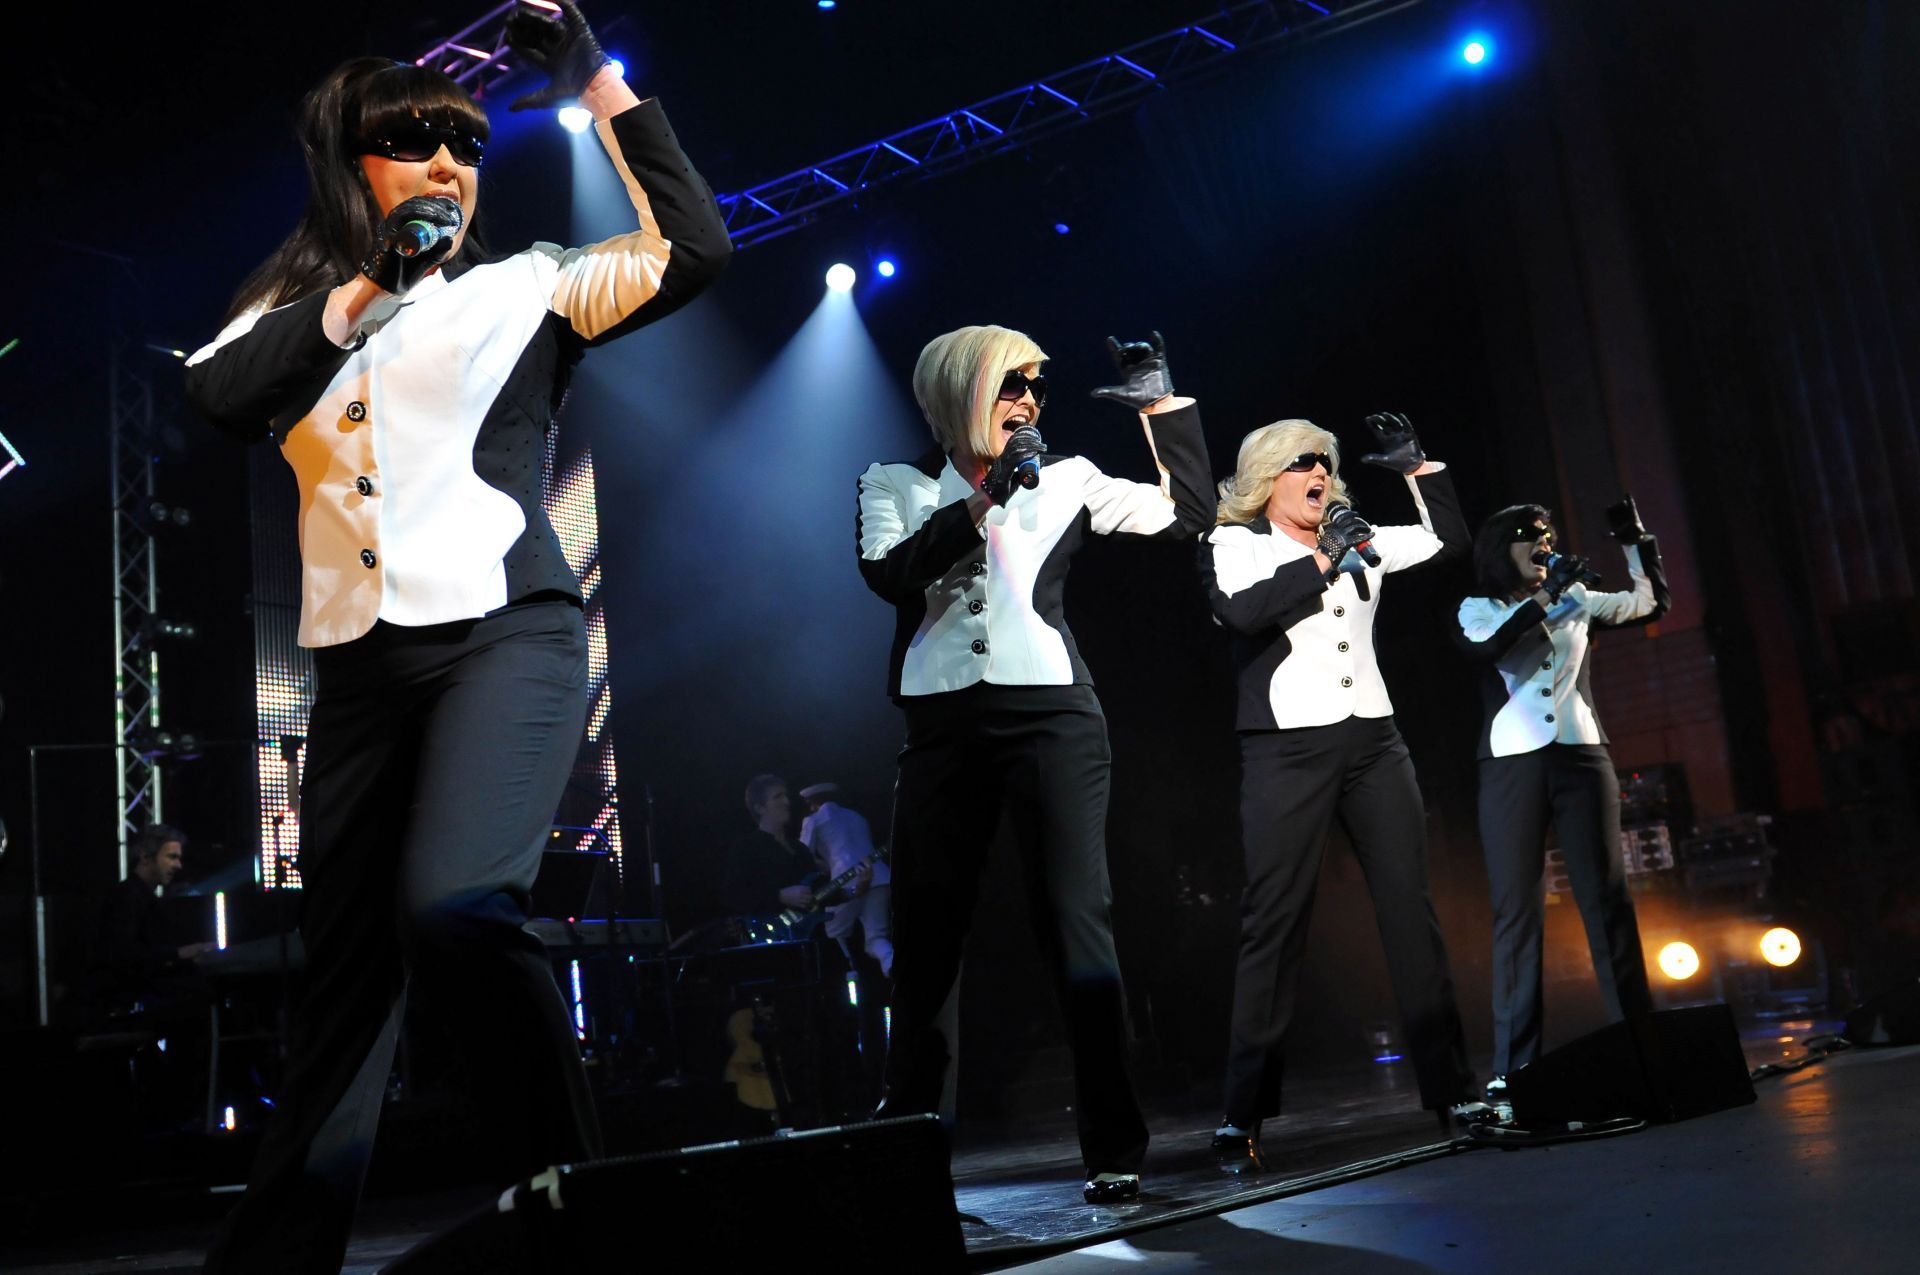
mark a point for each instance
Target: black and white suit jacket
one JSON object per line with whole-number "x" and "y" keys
{"x": 419, "y": 447}
{"x": 1535, "y": 680}
{"x": 984, "y": 603}
{"x": 1303, "y": 648}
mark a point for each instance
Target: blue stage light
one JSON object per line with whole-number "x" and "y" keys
{"x": 840, "y": 277}
{"x": 1476, "y": 51}
{"x": 619, "y": 68}
{"x": 884, "y": 267}
{"x": 1061, "y": 227}
{"x": 576, "y": 119}
{"x": 825, "y": 4}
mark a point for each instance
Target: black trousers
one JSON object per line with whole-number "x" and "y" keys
{"x": 1293, "y": 784}
{"x": 1038, "y": 755}
{"x": 435, "y": 759}
{"x": 1574, "y": 785}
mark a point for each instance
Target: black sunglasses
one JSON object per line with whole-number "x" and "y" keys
{"x": 1305, "y": 461}
{"x": 416, "y": 140}
{"x": 1016, "y": 383}
{"x": 1542, "y": 536}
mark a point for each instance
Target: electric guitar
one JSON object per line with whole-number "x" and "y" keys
{"x": 800, "y": 923}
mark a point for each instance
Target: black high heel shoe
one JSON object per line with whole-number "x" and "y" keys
{"x": 1112, "y": 1188}
{"x": 1238, "y": 1153}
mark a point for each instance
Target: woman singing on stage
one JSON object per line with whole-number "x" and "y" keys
{"x": 410, "y": 382}
{"x": 1543, "y": 756}
{"x": 971, "y": 544}
{"x": 1294, "y": 573}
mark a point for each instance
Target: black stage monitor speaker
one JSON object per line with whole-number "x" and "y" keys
{"x": 1669, "y": 1065}
{"x": 865, "y": 1197}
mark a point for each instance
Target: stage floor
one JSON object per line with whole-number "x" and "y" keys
{"x": 1816, "y": 1175}
{"x": 1816, "y": 1169}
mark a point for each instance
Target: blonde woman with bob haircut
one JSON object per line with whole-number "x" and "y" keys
{"x": 971, "y": 544}
{"x": 1294, "y": 574}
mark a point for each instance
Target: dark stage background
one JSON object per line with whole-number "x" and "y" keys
{"x": 1660, "y": 248}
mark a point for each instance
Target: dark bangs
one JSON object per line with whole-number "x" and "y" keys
{"x": 358, "y": 99}
{"x": 401, "y": 91}
{"x": 1494, "y": 575}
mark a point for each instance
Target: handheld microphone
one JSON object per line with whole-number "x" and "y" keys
{"x": 1542, "y": 558}
{"x": 1339, "y": 514}
{"x": 418, "y": 235}
{"x": 1027, "y": 473}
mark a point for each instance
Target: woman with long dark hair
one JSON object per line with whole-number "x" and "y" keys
{"x": 410, "y": 382}
{"x": 1543, "y": 757}
{"x": 1294, "y": 574}
{"x": 971, "y": 544}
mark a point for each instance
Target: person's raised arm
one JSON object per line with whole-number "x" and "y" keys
{"x": 1180, "y": 505}
{"x": 607, "y": 289}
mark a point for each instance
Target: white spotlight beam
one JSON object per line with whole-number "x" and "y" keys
{"x": 1019, "y": 117}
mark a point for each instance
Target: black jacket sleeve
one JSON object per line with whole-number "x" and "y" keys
{"x": 1443, "y": 512}
{"x": 1656, "y": 577}
{"x": 271, "y": 372}
{"x": 1180, "y": 445}
{"x": 1275, "y": 602}
{"x": 682, "y": 203}
{"x": 1525, "y": 620}
{"x": 907, "y": 563}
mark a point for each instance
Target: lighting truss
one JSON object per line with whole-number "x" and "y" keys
{"x": 12, "y": 460}
{"x": 1019, "y": 117}
{"x": 136, "y": 684}
{"x": 477, "y": 55}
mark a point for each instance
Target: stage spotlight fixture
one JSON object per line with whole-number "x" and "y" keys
{"x": 160, "y": 513}
{"x": 885, "y": 267}
{"x": 825, "y": 4}
{"x": 576, "y": 119}
{"x": 157, "y": 629}
{"x": 1780, "y": 946}
{"x": 1679, "y": 962}
{"x": 840, "y": 277}
{"x": 1475, "y": 53}
{"x": 619, "y": 68}
{"x": 1061, "y": 228}
{"x": 157, "y": 745}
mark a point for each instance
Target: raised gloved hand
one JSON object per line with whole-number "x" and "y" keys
{"x": 1018, "y": 465}
{"x": 1399, "y": 447}
{"x": 563, "y": 47}
{"x": 1143, "y": 371}
{"x": 397, "y": 260}
{"x": 1624, "y": 525}
{"x": 1562, "y": 570}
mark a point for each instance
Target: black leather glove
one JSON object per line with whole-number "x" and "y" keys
{"x": 1018, "y": 465}
{"x": 1143, "y": 369}
{"x": 1343, "y": 532}
{"x": 563, "y": 47}
{"x": 1623, "y": 523}
{"x": 1562, "y": 570}
{"x": 1399, "y": 445}
{"x": 388, "y": 264}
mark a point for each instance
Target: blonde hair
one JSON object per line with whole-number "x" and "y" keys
{"x": 1265, "y": 454}
{"x": 957, "y": 380}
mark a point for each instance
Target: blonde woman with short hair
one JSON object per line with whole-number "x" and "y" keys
{"x": 971, "y": 544}
{"x": 1294, "y": 574}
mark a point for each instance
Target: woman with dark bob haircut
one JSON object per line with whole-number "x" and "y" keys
{"x": 1543, "y": 757}
{"x": 410, "y": 381}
